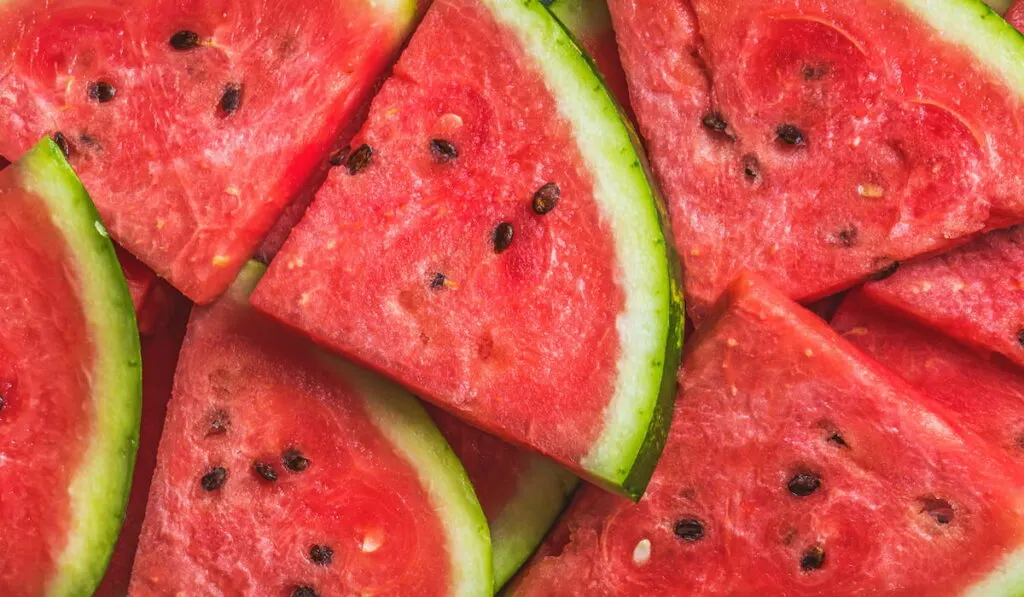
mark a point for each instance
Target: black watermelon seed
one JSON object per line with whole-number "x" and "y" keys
{"x": 184, "y": 40}
{"x": 847, "y": 236}
{"x": 338, "y": 157}
{"x": 437, "y": 281}
{"x": 304, "y": 591}
{"x": 219, "y": 423}
{"x": 1020, "y": 334}
{"x": 713, "y": 121}
{"x": 812, "y": 559}
{"x": 503, "y": 234}
{"x": 790, "y": 134}
{"x": 443, "y": 151}
{"x": 294, "y": 460}
{"x": 690, "y": 529}
{"x": 3, "y": 402}
{"x": 838, "y": 440}
{"x": 265, "y": 470}
{"x": 232, "y": 98}
{"x": 359, "y": 159}
{"x": 214, "y": 479}
{"x": 321, "y": 555}
{"x": 101, "y": 91}
{"x": 887, "y": 268}
{"x": 62, "y": 143}
{"x": 4, "y": 162}
{"x": 939, "y": 509}
{"x": 546, "y": 198}
{"x": 804, "y": 484}
{"x": 751, "y": 167}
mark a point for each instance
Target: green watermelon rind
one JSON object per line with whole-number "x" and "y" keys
{"x": 623, "y": 457}
{"x": 99, "y": 489}
{"x": 412, "y": 433}
{"x": 1006, "y": 581}
{"x": 542, "y": 493}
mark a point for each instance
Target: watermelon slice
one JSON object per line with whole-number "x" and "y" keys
{"x": 521, "y": 493}
{"x": 975, "y": 294}
{"x": 283, "y": 472}
{"x": 1015, "y": 15}
{"x": 819, "y": 143}
{"x": 493, "y": 244}
{"x": 797, "y": 467}
{"x": 192, "y": 122}
{"x": 69, "y": 383}
{"x": 987, "y": 395}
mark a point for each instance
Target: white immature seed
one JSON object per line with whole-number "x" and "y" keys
{"x": 642, "y": 552}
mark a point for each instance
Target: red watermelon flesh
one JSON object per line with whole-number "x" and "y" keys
{"x": 987, "y": 395}
{"x": 153, "y": 298}
{"x": 795, "y": 466}
{"x": 820, "y": 143}
{"x": 159, "y": 359}
{"x": 280, "y": 470}
{"x": 975, "y": 294}
{"x": 193, "y": 123}
{"x": 1015, "y": 15}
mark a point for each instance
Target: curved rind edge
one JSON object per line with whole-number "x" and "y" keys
{"x": 542, "y": 494}
{"x": 623, "y": 457}
{"x": 99, "y": 489}
{"x": 1006, "y": 581}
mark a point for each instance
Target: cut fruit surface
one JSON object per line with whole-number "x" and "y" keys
{"x": 974, "y": 294}
{"x": 284, "y": 472}
{"x": 69, "y": 383}
{"x": 520, "y": 492}
{"x": 1015, "y": 15}
{"x": 795, "y": 467}
{"x": 818, "y": 143}
{"x": 192, "y": 123}
{"x": 986, "y": 394}
{"x": 493, "y": 244}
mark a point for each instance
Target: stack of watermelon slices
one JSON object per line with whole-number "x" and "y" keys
{"x": 477, "y": 221}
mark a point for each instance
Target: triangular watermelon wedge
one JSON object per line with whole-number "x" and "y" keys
{"x": 796, "y": 466}
{"x": 974, "y": 294}
{"x": 193, "y": 123}
{"x": 819, "y": 143}
{"x": 282, "y": 471}
{"x": 493, "y": 243}
{"x": 69, "y": 383}
{"x": 987, "y": 394}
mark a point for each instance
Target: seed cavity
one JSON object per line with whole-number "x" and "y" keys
{"x": 939, "y": 509}
{"x": 790, "y": 134}
{"x": 502, "y": 237}
{"x": 359, "y": 159}
{"x": 321, "y": 555}
{"x": 62, "y": 143}
{"x": 338, "y": 157}
{"x": 4, "y": 162}
{"x": 870, "y": 191}
{"x": 690, "y": 529}
{"x": 837, "y": 439}
{"x": 847, "y": 237}
{"x": 751, "y": 167}
{"x": 184, "y": 40}
{"x": 304, "y": 591}
{"x": 804, "y": 484}
{"x": 813, "y": 559}
{"x": 713, "y": 121}
{"x": 437, "y": 282}
{"x": 885, "y": 268}
{"x": 101, "y": 91}
{"x": 443, "y": 151}
{"x": 1020, "y": 337}
{"x": 813, "y": 72}
{"x": 265, "y": 470}
{"x": 546, "y": 198}
{"x": 642, "y": 552}
{"x": 294, "y": 461}
{"x": 214, "y": 479}
{"x": 219, "y": 421}
{"x": 232, "y": 98}
{"x": 3, "y": 402}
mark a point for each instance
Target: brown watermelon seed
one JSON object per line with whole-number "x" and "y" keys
{"x": 62, "y": 143}
{"x": 939, "y": 509}
{"x": 503, "y": 234}
{"x": 4, "y": 162}
{"x": 359, "y": 159}
{"x": 546, "y": 198}
{"x": 184, "y": 40}
{"x": 338, "y": 157}
{"x": 294, "y": 460}
{"x": 265, "y": 470}
{"x": 804, "y": 484}
{"x": 812, "y": 559}
{"x": 101, "y": 91}
{"x": 3, "y": 402}
{"x": 847, "y": 236}
{"x": 690, "y": 529}
{"x": 1020, "y": 336}
{"x": 887, "y": 268}
{"x": 321, "y": 555}
{"x": 751, "y": 166}
{"x": 813, "y": 72}
{"x": 232, "y": 98}
{"x": 219, "y": 422}
{"x": 790, "y": 134}
{"x": 838, "y": 440}
{"x": 443, "y": 151}
{"x": 713, "y": 121}
{"x": 214, "y": 479}
{"x": 304, "y": 591}
{"x": 437, "y": 281}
